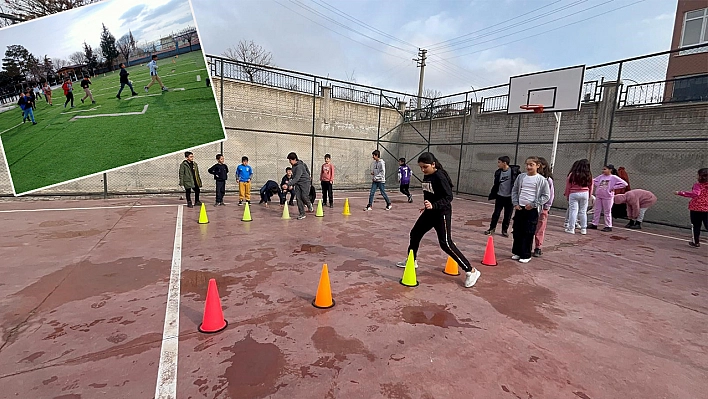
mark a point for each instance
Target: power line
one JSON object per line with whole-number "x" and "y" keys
{"x": 436, "y": 45}
{"x": 338, "y": 33}
{"x": 523, "y": 30}
{"x": 546, "y": 31}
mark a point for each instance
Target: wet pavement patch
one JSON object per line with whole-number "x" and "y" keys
{"x": 194, "y": 283}
{"x": 253, "y": 371}
{"x": 395, "y": 391}
{"x": 434, "y": 315}
{"x": 327, "y": 340}
{"x": 477, "y": 222}
{"x": 314, "y": 249}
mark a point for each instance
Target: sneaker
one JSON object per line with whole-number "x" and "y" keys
{"x": 133, "y": 94}
{"x": 164, "y": 89}
{"x": 248, "y": 202}
{"x": 694, "y": 244}
{"x": 472, "y": 278}
{"x": 93, "y": 102}
{"x": 577, "y": 225}
{"x": 222, "y": 204}
{"x": 197, "y": 202}
{"x": 403, "y": 264}
{"x": 331, "y": 205}
{"x": 410, "y": 199}
{"x": 216, "y": 204}
{"x": 240, "y": 203}
{"x": 583, "y": 231}
{"x": 505, "y": 234}
{"x": 569, "y": 231}
{"x": 515, "y": 257}
{"x": 300, "y": 217}
{"x": 34, "y": 123}
{"x": 388, "y": 207}
{"x": 607, "y": 229}
{"x": 146, "y": 89}
{"x": 537, "y": 253}
{"x": 525, "y": 260}
{"x": 118, "y": 97}
{"x": 637, "y": 226}
{"x": 368, "y": 208}
{"x": 592, "y": 226}
{"x": 630, "y": 224}
{"x": 189, "y": 205}
{"x": 82, "y": 101}
{"x": 489, "y": 232}
{"x": 310, "y": 208}
{"x": 291, "y": 203}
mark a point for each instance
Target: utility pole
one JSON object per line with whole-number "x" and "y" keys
{"x": 421, "y": 63}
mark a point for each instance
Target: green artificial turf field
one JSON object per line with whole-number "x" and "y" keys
{"x": 59, "y": 149}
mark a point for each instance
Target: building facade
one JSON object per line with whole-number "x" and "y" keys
{"x": 687, "y": 72}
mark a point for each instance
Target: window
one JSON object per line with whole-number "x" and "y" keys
{"x": 690, "y": 88}
{"x": 695, "y": 28}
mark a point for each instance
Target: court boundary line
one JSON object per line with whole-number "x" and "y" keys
{"x": 86, "y": 208}
{"x": 166, "y": 387}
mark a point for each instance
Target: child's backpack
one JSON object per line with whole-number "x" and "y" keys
{"x": 313, "y": 194}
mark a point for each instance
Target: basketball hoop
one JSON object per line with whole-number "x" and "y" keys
{"x": 536, "y": 108}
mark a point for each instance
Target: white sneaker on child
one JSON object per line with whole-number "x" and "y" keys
{"x": 583, "y": 231}
{"x": 472, "y": 278}
{"x": 515, "y": 257}
{"x": 525, "y": 260}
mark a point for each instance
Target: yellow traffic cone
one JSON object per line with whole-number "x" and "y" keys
{"x": 346, "y": 208}
{"x": 286, "y": 212}
{"x": 409, "y": 279}
{"x": 319, "y": 213}
{"x": 202, "y": 215}
{"x": 246, "y": 213}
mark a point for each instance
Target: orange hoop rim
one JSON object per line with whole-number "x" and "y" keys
{"x": 536, "y": 108}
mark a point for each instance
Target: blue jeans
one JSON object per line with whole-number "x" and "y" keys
{"x": 28, "y": 114}
{"x": 380, "y": 186}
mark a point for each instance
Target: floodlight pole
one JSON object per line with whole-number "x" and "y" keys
{"x": 555, "y": 139}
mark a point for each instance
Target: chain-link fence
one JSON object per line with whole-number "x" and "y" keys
{"x": 648, "y": 114}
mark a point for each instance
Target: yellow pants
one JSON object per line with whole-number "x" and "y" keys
{"x": 244, "y": 191}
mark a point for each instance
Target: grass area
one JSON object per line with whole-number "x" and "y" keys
{"x": 59, "y": 149}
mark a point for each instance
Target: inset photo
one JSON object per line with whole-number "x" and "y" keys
{"x": 102, "y": 87}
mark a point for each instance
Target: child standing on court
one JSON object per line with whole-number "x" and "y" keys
{"x": 545, "y": 171}
{"x": 504, "y": 179}
{"x": 437, "y": 214}
{"x": 578, "y": 188}
{"x": 698, "y": 206}
{"x": 378, "y": 180}
{"x": 221, "y": 174}
{"x": 529, "y": 194}
{"x": 327, "y": 179}
{"x": 189, "y": 179}
{"x": 605, "y": 186}
{"x": 244, "y": 173}
{"x": 404, "y": 178}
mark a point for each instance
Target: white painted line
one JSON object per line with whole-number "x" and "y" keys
{"x": 81, "y": 110}
{"x": 7, "y": 130}
{"x": 119, "y": 114}
{"x": 140, "y": 96}
{"x": 83, "y": 209}
{"x": 167, "y": 372}
{"x": 178, "y": 89}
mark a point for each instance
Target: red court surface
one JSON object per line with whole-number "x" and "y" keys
{"x": 85, "y": 285}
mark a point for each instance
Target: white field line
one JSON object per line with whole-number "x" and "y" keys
{"x": 7, "y": 130}
{"x": 118, "y": 114}
{"x": 167, "y": 372}
{"x": 84, "y": 208}
{"x": 140, "y": 96}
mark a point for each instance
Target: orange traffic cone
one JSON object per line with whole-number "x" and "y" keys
{"x": 451, "y": 267}
{"x": 489, "y": 258}
{"x": 213, "y": 320}
{"x": 323, "y": 299}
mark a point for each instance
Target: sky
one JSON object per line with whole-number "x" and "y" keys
{"x": 373, "y": 42}
{"x": 62, "y": 34}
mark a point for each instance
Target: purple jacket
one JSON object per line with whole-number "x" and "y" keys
{"x": 404, "y": 174}
{"x": 605, "y": 186}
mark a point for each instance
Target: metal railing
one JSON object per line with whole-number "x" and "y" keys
{"x": 693, "y": 88}
{"x": 365, "y": 97}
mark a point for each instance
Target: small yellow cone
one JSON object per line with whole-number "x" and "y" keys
{"x": 346, "y": 211}
{"x": 409, "y": 279}
{"x": 203, "y": 216}
{"x": 319, "y": 213}
{"x": 246, "y": 213}
{"x": 451, "y": 267}
{"x": 286, "y": 212}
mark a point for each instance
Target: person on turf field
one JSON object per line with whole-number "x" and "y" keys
{"x": 698, "y": 206}
{"x": 47, "y": 93}
{"x": 244, "y": 173}
{"x": 124, "y": 81}
{"x": 437, "y": 214}
{"x": 605, "y": 186}
{"x": 25, "y": 104}
{"x": 404, "y": 178}
{"x": 378, "y": 180}
{"x": 326, "y": 180}
{"x": 221, "y": 174}
{"x": 85, "y": 83}
{"x": 189, "y": 179}
{"x": 545, "y": 171}
{"x": 153, "y": 75}
{"x": 529, "y": 194}
{"x": 301, "y": 182}
{"x": 504, "y": 179}
{"x": 638, "y": 201}
{"x": 68, "y": 92}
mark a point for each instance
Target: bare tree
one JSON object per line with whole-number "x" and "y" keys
{"x": 31, "y": 9}
{"x": 60, "y": 63}
{"x": 250, "y": 52}
{"x": 429, "y": 96}
{"x": 188, "y": 34}
{"x": 126, "y": 46}
{"x": 77, "y": 58}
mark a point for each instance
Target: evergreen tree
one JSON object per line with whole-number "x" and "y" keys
{"x": 108, "y": 47}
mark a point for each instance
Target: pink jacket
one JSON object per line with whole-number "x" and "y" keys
{"x": 574, "y": 188}
{"x": 605, "y": 186}
{"x": 699, "y": 197}
{"x": 636, "y": 200}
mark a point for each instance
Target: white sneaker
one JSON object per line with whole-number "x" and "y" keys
{"x": 515, "y": 257}
{"x": 577, "y": 225}
{"x": 583, "y": 231}
{"x": 525, "y": 260}
{"x": 569, "y": 231}
{"x": 368, "y": 208}
{"x": 472, "y": 278}
{"x": 403, "y": 264}
{"x": 388, "y": 207}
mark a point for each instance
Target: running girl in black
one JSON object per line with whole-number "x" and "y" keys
{"x": 437, "y": 214}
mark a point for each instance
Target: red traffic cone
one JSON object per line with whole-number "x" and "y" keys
{"x": 489, "y": 258}
{"x": 213, "y": 320}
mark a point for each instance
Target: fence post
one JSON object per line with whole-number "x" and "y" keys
{"x": 430, "y": 124}
{"x": 615, "y": 105}
{"x": 378, "y": 129}
{"x": 462, "y": 140}
{"x": 314, "y": 102}
{"x": 221, "y": 89}
{"x": 518, "y": 137}
{"x": 105, "y": 186}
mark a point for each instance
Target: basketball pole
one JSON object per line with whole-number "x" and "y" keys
{"x": 555, "y": 139}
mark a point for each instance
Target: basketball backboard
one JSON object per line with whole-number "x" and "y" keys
{"x": 557, "y": 90}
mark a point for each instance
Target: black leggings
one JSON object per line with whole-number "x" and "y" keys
{"x": 69, "y": 97}
{"x": 525, "y": 222}
{"x": 440, "y": 221}
{"x": 502, "y": 203}
{"x": 326, "y": 192}
{"x": 405, "y": 189}
{"x": 698, "y": 219}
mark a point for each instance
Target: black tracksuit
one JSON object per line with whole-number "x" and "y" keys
{"x": 438, "y": 191}
{"x": 284, "y": 193}
{"x": 221, "y": 174}
{"x": 502, "y": 202}
{"x": 268, "y": 190}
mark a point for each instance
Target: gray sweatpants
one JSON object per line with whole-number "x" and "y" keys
{"x": 302, "y": 192}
